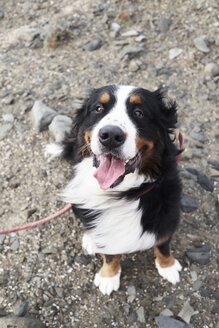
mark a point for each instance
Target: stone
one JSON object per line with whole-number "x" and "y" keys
{"x": 4, "y": 130}
{"x": 166, "y": 322}
{"x": 115, "y": 27}
{"x": 42, "y": 115}
{"x": 205, "y": 182}
{"x": 215, "y": 308}
{"x": 8, "y": 100}
{"x": 188, "y": 204}
{"x": 141, "y": 38}
{"x": 2, "y": 238}
{"x": 165, "y": 24}
{"x": 23, "y": 34}
{"x": 131, "y": 293}
{"x": 200, "y": 255}
{"x": 134, "y": 65}
{"x": 197, "y": 284}
{"x": 15, "y": 244}
{"x": 130, "y": 33}
{"x": 198, "y": 136}
{"x": 2, "y": 15}
{"x": 21, "y": 309}
{"x": 187, "y": 312}
{"x": 15, "y": 322}
{"x": 212, "y": 69}
{"x": 166, "y": 313}
{"x": 3, "y": 313}
{"x": 140, "y": 314}
{"x": 193, "y": 171}
{"x": 8, "y": 118}
{"x": 83, "y": 259}
{"x": 130, "y": 51}
{"x": 215, "y": 165}
{"x": 61, "y": 127}
{"x": 93, "y": 45}
{"x": 200, "y": 44}
{"x": 175, "y": 52}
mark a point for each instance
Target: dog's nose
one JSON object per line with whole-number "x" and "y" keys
{"x": 111, "y": 136}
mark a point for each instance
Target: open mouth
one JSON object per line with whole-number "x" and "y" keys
{"x": 111, "y": 170}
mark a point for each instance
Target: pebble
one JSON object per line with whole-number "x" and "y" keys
{"x": 21, "y": 309}
{"x": 131, "y": 293}
{"x": 130, "y": 33}
{"x": 205, "y": 182}
{"x": 198, "y": 136}
{"x": 188, "y": 204}
{"x": 212, "y": 69}
{"x": 61, "y": 127}
{"x": 23, "y": 33}
{"x": 42, "y": 115}
{"x": 166, "y": 322}
{"x": 175, "y": 52}
{"x": 166, "y": 313}
{"x": 197, "y": 284}
{"x": 165, "y": 24}
{"x": 130, "y": 51}
{"x": 140, "y": 314}
{"x": 93, "y": 45}
{"x": 193, "y": 171}
{"x": 2, "y": 238}
{"x": 115, "y": 27}
{"x": 16, "y": 322}
{"x": 187, "y": 312}
{"x": 141, "y": 38}
{"x": 215, "y": 165}
{"x": 15, "y": 244}
{"x": 134, "y": 65}
{"x": 200, "y": 255}
{"x": 83, "y": 259}
{"x": 201, "y": 45}
{"x": 8, "y": 118}
{"x": 4, "y": 130}
{"x": 2, "y": 15}
{"x": 215, "y": 308}
{"x": 8, "y": 100}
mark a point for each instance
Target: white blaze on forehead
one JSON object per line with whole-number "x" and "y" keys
{"x": 118, "y": 116}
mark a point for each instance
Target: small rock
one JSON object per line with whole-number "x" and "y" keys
{"x": 166, "y": 322}
{"x": 167, "y": 313}
{"x": 165, "y": 24}
{"x": 205, "y": 182}
{"x": 201, "y": 45}
{"x": 93, "y": 45}
{"x": 3, "y": 313}
{"x": 42, "y": 115}
{"x": 141, "y": 38}
{"x": 193, "y": 171}
{"x": 16, "y": 322}
{"x": 23, "y": 34}
{"x": 21, "y": 309}
{"x": 15, "y": 245}
{"x": 49, "y": 250}
{"x": 206, "y": 292}
{"x": 188, "y": 204}
{"x": 83, "y": 259}
{"x": 187, "y": 312}
{"x": 8, "y": 100}
{"x": 61, "y": 127}
{"x": 175, "y": 52}
{"x": 212, "y": 69}
{"x": 134, "y": 65}
{"x": 116, "y": 27}
{"x": 198, "y": 136}
{"x": 59, "y": 291}
{"x": 200, "y": 255}
{"x": 197, "y": 284}
{"x": 130, "y": 33}
{"x": 2, "y": 15}
{"x": 215, "y": 308}
{"x": 215, "y": 165}
{"x": 131, "y": 293}
{"x": 2, "y": 238}
{"x": 8, "y": 118}
{"x": 194, "y": 275}
{"x": 4, "y": 130}
{"x": 130, "y": 51}
{"x": 186, "y": 175}
{"x": 140, "y": 314}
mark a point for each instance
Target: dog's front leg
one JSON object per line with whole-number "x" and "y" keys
{"x": 108, "y": 278}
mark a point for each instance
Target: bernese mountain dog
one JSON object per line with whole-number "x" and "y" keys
{"x": 126, "y": 187}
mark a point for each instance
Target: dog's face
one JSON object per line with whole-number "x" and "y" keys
{"x": 125, "y": 129}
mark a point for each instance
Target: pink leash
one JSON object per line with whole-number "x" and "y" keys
{"x": 68, "y": 207}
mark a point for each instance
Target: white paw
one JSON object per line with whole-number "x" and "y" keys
{"x": 170, "y": 273}
{"x": 88, "y": 245}
{"x": 107, "y": 285}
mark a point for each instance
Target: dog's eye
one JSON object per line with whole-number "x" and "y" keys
{"x": 99, "y": 109}
{"x": 138, "y": 113}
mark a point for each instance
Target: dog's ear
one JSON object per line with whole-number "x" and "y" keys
{"x": 168, "y": 109}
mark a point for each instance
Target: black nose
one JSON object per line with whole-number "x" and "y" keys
{"x": 111, "y": 136}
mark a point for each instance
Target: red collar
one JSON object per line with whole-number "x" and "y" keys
{"x": 181, "y": 142}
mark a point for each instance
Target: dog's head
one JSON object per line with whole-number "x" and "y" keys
{"x": 125, "y": 128}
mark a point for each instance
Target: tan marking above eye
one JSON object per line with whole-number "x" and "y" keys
{"x": 135, "y": 99}
{"x": 104, "y": 98}
{"x": 87, "y": 137}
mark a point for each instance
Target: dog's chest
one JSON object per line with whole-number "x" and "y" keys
{"x": 116, "y": 226}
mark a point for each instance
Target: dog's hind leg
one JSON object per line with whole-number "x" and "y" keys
{"x": 108, "y": 278}
{"x": 167, "y": 266}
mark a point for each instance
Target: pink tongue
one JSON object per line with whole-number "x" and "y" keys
{"x": 109, "y": 170}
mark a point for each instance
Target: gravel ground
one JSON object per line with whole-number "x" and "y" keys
{"x": 56, "y": 51}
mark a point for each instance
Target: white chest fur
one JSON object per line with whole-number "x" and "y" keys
{"x": 118, "y": 228}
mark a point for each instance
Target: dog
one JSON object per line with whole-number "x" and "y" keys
{"x": 126, "y": 187}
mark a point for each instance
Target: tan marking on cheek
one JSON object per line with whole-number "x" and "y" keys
{"x": 135, "y": 99}
{"x": 104, "y": 98}
{"x": 112, "y": 268}
{"x": 87, "y": 137}
{"x": 164, "y": 261}
{"x": 140, "y": 142}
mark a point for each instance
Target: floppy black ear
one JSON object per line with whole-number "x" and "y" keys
{"x": 168, "y": 109}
